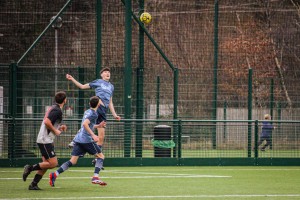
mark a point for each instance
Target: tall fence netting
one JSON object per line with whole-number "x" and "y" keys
{"x": 214, "y": 61}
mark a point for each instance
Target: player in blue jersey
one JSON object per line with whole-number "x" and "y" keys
{"x": 85, "y": 142}
{"x": 104, "y": 90}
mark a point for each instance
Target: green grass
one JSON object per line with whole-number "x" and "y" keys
{"x": 160, "y": 183}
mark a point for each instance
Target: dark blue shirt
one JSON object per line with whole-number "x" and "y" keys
{"x": 267, "y": 128}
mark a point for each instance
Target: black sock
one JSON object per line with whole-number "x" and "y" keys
{"x": 36, "y": 167}
{"x": 36, "y": 179}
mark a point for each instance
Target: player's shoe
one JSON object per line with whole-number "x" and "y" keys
{"x": 71, "y": 145}
{"x": 26, "y": 172}
{"x": 34, "y": 187}
{"x": 96, "y": 180}
{"x": 52, "y": 178}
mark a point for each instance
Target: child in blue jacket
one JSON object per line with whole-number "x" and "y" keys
{"x": 266, "y": 132}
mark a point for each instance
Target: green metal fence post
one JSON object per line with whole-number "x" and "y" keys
{"x": 272, "y": 97}
{"x": 35, "y": 108}
{"x": 249, "y": 111}
{"x": 175, "y": 114}
{"x": 256, "y": 140}
{"x": 179, "y": 139}
{"x": 271, "y": 106}
{"x": 225, "y": 118}
{"x": 128, "y": 78}
{"x": 99, "y": 38}
{"x": 157, "y": 96}
{"x": 279, "y": 117}
{"x": 80, "y": 94}
{"x": 140, "y": 90}
{"x": 12, "y": 111}
{"x": 215, "y": 92}
{"x": 19, "y": 151}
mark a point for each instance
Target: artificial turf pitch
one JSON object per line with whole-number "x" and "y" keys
{"x": 159, "y": 183}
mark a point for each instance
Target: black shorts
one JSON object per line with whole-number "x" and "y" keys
{"x": 101, "y": 114}
{"x": 47, "y": 150}
{"x": 80, "y": 149}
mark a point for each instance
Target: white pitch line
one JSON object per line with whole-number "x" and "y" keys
{"x": 136, "y": 177}
{"x": 147, "y": 175}
{"x": 189, "y": 169}
{"x": 130, "y": 172}
{"x": 164, "y": 197}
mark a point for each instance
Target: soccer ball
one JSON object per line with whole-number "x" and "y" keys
{"x": 145, "y": 18}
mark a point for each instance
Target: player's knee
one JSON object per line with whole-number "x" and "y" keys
{"x": 74, "y": 162}
{"x": 53, "y": 164}
{"x": 100, "y": 155}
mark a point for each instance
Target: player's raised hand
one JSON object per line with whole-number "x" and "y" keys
{"x": 118, "y": 118}
{"x": 69, "y": 77}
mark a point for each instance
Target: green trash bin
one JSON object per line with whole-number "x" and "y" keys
{"x": 162, "y": 141}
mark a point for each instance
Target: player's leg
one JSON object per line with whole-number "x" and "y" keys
{"x": 101, "y": 131}
{"x": 49, "y": 160}
{"x": 101, "y": 117}
{"x": 101, "y": 136}
{"x": 64, "y": 167}
{"x": 37, "y": 178}
{"x": 98, "y": 166}
{"x": 260, "y": 141}
{"x": 268, "y": 143}
{"x": 94, "y": 149}
{"x": 94, "y": 160}
{"x": 29, "y": 168}
{"x": 49, "y": 163}
{"x": 76, "y": 152}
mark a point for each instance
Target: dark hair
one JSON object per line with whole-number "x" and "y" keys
{"x": 60, "y": 97}
{"x": 94, "y": 101}
{"x": 104, "y": 69}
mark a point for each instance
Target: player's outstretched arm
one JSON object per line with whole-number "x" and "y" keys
{"x": 112, "y": 110}
{"x": 79, "y": 85}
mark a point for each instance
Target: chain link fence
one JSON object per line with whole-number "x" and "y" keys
{"x": 235, "y": 61}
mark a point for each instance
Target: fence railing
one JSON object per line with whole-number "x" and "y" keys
{"x": 138, "y": 139}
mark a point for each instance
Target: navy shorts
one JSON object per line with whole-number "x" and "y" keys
{"x": 80, "y": 149}
{"x": 101, "y": 111}
{"x": 47, "y": 150}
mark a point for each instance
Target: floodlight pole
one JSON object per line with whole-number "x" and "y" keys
{"x": 56, "y": 25}
{"x": 56, "y": 55}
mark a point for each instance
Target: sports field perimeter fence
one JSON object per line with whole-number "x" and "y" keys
{"x": 197, "y": 61}
{"x": 194, "y": 143}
